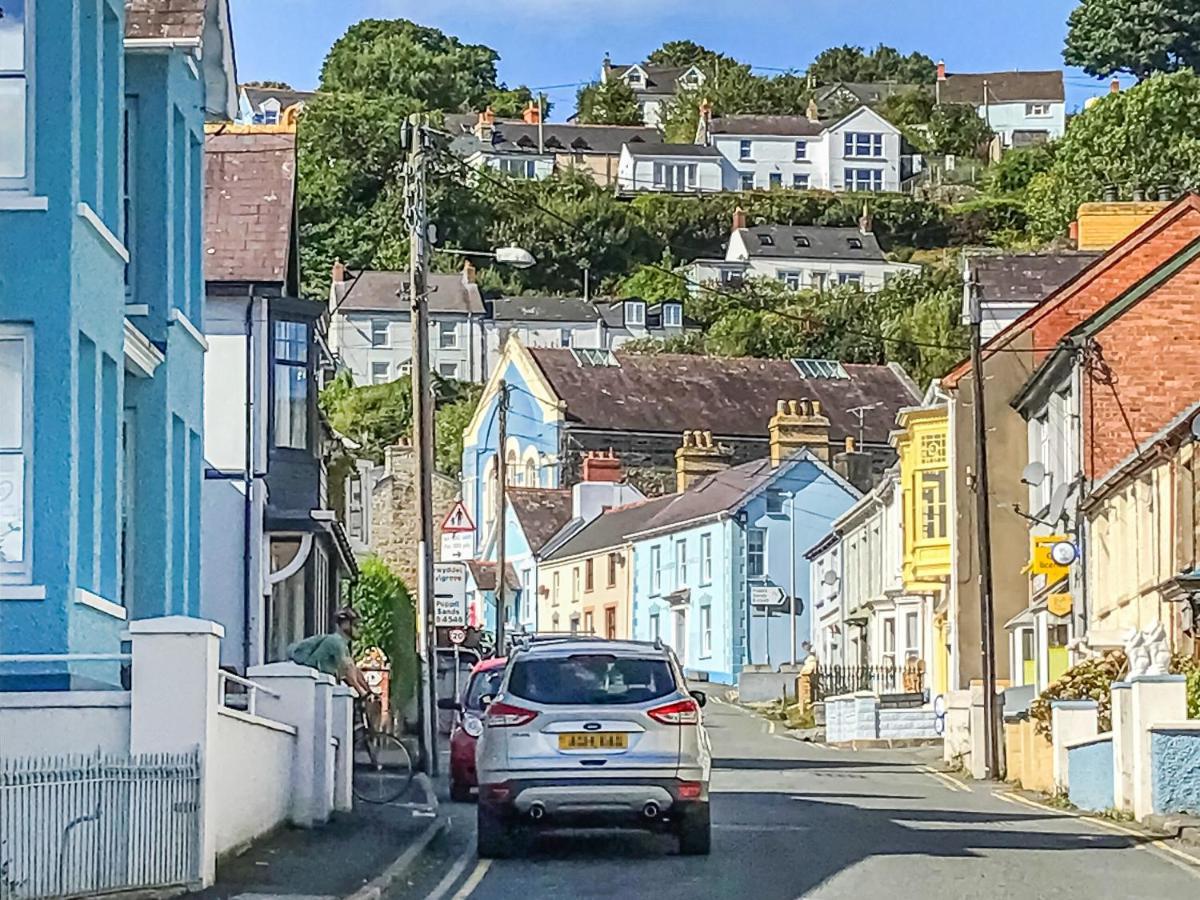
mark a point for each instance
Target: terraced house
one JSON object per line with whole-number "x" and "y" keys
{"x": 102, "y": 109}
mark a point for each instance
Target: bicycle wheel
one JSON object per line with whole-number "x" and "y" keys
{"x": 382, "y": 767}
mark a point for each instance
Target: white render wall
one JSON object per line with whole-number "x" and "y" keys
{"x": 1005, "y": 118}
{"x": 636, "y": 173}
{"x": 350, "y": 338}
{"x": 53, "y": 723}
{"x": 874, "y": 274}
{"x": 251, "y": 751}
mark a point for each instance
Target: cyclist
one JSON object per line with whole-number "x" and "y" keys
{"x": 330, "y": 653}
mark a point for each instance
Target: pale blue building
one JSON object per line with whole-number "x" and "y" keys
{"x": 697, "y": 560}
{"x": 102, "y": 112}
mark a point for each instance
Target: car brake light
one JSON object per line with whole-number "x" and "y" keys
{"x": 683, "y": 712}
{"x": 689, "y": 790}
{"x": 505, "y": 715}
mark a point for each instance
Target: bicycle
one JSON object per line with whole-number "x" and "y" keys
{"x": 382, "y": 766}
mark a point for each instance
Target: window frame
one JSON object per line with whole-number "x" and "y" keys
{"x": 801, "y": 181}
{"x": 374, "y": 372}
{"x": 680, "y": 563}
{"x": 752, "y": 552}
{"x": 801, "y": 151}
{"x": 447, "y": 329}
{"x": 613, "y": 564}
{"x": 706, "y": 631}
{"x": 309, "y": 396}
{"x": 745, "y": 149}
{"x": 747, "y": 181}
{"x": 374, "y": 333}
{"x": 863, "y": 145}
{"x": 443, "y": 365}
{"x": 589, "y": 575}
{"x": 706, "y": 562}
{"x": 854, "y": 278}
{"x": 24, "y": 184}
{"x": 851, "y": 180}
{"x": 775, "y": 181}
{"x": 672, "y": 315}
{"x": 1031, "y": 110}
{"x": 638, "y": 320}
{"x": 22, "y": 572}
{"x": 656, "y": 570}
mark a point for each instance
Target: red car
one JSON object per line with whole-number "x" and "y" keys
{"x": 468, "y": 725}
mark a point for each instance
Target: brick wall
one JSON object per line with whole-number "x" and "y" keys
{"x": 1153, "y": 352}
{"x": 395, "y": 528}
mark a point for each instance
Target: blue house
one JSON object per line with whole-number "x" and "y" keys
{"x": 698, "y": 559}
{"x": 102, "y": 111}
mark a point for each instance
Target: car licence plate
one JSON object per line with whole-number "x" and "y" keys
{"x": 581, "y": 740}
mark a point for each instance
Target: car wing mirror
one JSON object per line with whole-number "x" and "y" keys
{"x": 449, "y": 704}
{"x": 700, "y": 697}
{"x": 486, "y": 700}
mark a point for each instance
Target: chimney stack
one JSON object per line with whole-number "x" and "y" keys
{"x": 486, "y": 124}
{"x": 855, "y": 466}
{"x": 739, "y": 219}
{"x": 798, "y": 425}
{"x": 1114, "y": 87}
{"x": 533, "y": 113}
{"x": 601, "y": 465}
{"x": 937, "y": 84}
{"x": 813, "y": 113}
{"x": 699, "y": 457}
{"x": 468, "y": 272}
{"x": 704, "y": 124}
{"x": 866, "y": 224}
{"x": 941, "y": 70}
{"x": 339, "y": 272}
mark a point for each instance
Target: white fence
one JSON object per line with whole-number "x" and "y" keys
{"x": 72, "y": 825}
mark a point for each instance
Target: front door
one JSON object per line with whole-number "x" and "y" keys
{"x": 679, "y": 643}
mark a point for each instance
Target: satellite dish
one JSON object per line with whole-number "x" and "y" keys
{"x": 1058, "y": 502}
{"x": 830, "y": 578}
{"x": 1034, "y": 474}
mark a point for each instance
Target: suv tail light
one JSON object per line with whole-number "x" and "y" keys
{"x": 682, "y": 712}
{"x": 505, "y": 715}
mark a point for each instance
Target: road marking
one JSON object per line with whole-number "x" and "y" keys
{"x": 1191, "y": 863}
{"x": 770, "y": 727}
{"x": 472, "y": 882}
{"x": 456, "y": 870}
{"x": 945, "y": 780}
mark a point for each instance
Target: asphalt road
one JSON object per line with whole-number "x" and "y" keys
{"x": 798, "y": 820}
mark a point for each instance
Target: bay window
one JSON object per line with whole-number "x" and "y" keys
{"x": 16, "y": 450}
{"x": 16, "y": 70}
{"x": 290, "y": 385}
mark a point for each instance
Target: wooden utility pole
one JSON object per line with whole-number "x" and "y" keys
{"x": 986, "y": 613}
{"x": 501, "y": 487}
{"x": 422, "y": 424}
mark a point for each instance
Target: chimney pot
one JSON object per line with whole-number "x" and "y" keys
{"x": 533, "y": 113}
{"x": 1114, "y": 87}
{"x": 1164, "y": 193}
{"x": 601, "y": 466}
{"x": 1139, "y": 195}
{"x": 941, "y": 70}
{"x": 796, "y": 426}
{"x": 739, "y": 219}
{"x": 1110, "y": 193}
{"x": 851, "y": 446}
{"x": 468, "y": 272}
{"x": 699, "y": 457}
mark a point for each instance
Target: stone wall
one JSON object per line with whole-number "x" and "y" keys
{"x": 395, "y": 526}
{"x": 1175, "y": 761}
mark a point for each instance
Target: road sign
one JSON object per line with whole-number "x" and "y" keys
{"x": 457, "y": 534}
{"x": 457, "y": 636}
{"x": 767, "y": 595}
{"x": 450, "y": 594}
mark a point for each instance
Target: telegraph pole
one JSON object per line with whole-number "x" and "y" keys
{"x": 422, "y": 418}
{"x": 501, "y": 486}
{"x": 986, "y": 613}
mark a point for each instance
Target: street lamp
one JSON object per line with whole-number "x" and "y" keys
{"x": 517, "y": 257}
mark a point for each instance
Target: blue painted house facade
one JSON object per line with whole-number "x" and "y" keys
{"x": 697, "y": 560}
{"x": 102, "y": 111}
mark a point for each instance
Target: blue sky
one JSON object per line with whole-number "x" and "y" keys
{"x": 554, "y": 42}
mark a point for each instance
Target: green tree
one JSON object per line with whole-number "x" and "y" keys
{"x": 655, "y": 283}
{"x": 1140, "y": 37}
{"x": 511, "y": 103}
{"x": 451, "y": 420}
{"x": 273, "y": 85}
{"x": 686, "y": 53}
{"x": 956, "y": 128}
{"x": 851, "y": 63}
{"x": 611, "y": 102}
{"x": 1017, "y": 168}
{"x": 1140, "y": 138}
{"x": 388, "y": 623}
{"x": 398, "y": 58}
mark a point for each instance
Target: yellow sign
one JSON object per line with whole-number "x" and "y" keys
{"x": 1040, "y": 560}
{"x": 1058, "y": 604}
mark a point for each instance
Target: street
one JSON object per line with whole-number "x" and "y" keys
{"x": 799, "y": 820}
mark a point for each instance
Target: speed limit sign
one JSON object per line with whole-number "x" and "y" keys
{"x": 457, "y": 636}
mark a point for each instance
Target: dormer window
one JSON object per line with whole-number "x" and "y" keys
{"x": 554, "y": 143}
{"x": 855, "y": 243}
{"x": 766, "y": 240}
{"x": 526, "y": 141}
{"x": 579, "y": 144}
{"x": 691, "y": 77}
{"x": 802, "y": 241}
{"x": 672, "y": 315}
{"x": 634, "y": 78}
{"x": 635, "y": 314}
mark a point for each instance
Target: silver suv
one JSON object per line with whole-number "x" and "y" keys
{"x": 589, "y": 733}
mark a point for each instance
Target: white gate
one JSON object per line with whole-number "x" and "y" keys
{"x": 72, "y": 825}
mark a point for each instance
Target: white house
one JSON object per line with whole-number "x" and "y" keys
{"x": 861, "y": 151}
{"x": 825, "y": 593}
{"x": 800, "y": 256}
{"x": 369, "y": 328}
{"x": 1021, "y": 107}
{"x": 654, "y": 86}
{"x": 269, "y": 106}
{"x": 670, "y": 168}
{"x": 1007, "y": 285}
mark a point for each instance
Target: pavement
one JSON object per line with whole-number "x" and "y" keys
{"x": 795, "y": 819}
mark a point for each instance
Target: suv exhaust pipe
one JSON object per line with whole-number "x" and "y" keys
{"x": 650, "y": 810}
{"x": 537, "y": 811}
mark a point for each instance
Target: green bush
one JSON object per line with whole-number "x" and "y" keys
{"x": 986, "y": 220}
{"x": 388, "y": 623}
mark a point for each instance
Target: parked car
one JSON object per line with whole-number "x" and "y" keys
{"x": 587, "y": 733}
{"x": 484, "y": 680}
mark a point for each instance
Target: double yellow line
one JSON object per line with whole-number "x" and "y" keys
{"x": 946, "y": 779}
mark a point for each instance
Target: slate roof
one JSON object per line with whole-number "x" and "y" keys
{"x": 868, "y": 92}
{"x": 542, "y": 512}
{"x": 1003, "y": 87}
{"x": 286, "y": 97}
{"x": 670, "y": 393}
{"x": 789, "y": 242}
{"x": 249, "y": 206}
{"x": 658, "y": 149}
{"x": 484, "y": 575}
{"x": 799, "y": 126}
{"x": 1025, "y": 277}
{"x": 543, "y": 309}
{"x": 165, "y": 18}
{"x": 610, "y": 529}
{"x": 659, "y": 79}
{"x": 387, "y": 291}
{"x": 521, "y": 137}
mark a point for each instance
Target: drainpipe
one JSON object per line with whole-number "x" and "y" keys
{"x": 248, "y": 483}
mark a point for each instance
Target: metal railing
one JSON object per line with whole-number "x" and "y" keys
{"x": 830, "y": 681}
{"x": 73, "y": 825}
{"x": 251, "y": 692}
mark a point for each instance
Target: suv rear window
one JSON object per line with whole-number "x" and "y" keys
{"x": 591, "y": 679}
{"x": 483, "y": 683}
